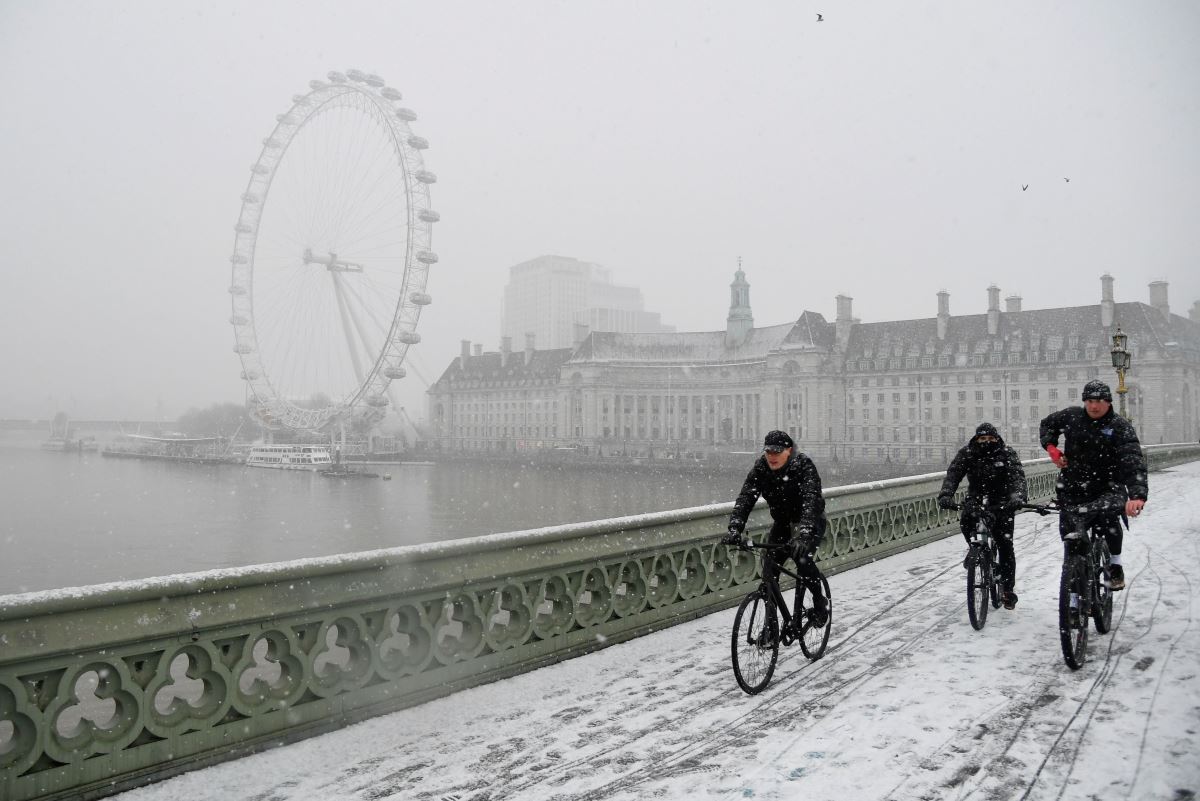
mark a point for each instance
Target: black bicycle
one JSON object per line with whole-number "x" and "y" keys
{"x": 1085, "y": 589}
{"x": 983, "y": 568}
{"x": 757, "y": 632}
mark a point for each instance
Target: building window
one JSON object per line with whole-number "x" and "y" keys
{"x": 1054, "y": 393}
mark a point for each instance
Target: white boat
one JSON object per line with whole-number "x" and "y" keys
{"x": 289, "y": 457}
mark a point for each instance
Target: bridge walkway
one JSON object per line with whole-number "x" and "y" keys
{"x": 908, "y": 703}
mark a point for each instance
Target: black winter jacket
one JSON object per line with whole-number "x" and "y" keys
{"x": 993, "y": 473}
{"x": 793, "y": 493}
{"x": 1103, "y": 456}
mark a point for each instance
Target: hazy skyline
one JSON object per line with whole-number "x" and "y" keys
{"x": 880, "y": 153}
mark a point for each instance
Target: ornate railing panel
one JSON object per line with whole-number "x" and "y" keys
{"x": 107, "y": 687}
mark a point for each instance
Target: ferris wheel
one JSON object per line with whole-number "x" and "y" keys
{"x": 331, "y": 255}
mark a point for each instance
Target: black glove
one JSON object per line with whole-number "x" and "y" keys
{"x": 732, "y": 538}
{"x": 802, "y": 546}
{"x": 946, "y": 501}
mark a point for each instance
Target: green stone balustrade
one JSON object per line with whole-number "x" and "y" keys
{"x": 108, "y": 687}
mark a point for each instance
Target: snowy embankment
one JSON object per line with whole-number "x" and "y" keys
{"x": 908, "y": 702}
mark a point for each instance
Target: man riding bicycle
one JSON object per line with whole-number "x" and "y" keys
{"x": 788, "y": 481}
{"x": 994, "y": 474}
{"x": 1100, "y": 457}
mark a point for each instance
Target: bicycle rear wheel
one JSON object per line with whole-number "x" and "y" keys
{"x": 979, "y": 586}
{"x": 813, "y": 639}
{"x": 1102, "y": 611}
{"x": 1072, "y": 618}
{"x": 755, "y": 644}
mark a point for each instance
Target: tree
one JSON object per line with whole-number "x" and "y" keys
{"x": 219, "y": 420}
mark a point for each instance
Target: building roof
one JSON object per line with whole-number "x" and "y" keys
{"x": 1039, "y": 329}
{"x": 490, "y": 367}
{"x": 691, "y": 347}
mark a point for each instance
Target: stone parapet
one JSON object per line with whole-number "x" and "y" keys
{"x": 104, "y": 688}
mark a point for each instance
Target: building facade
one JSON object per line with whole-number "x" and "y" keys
{"x": 908, "y": 391}
{"x": 555, "y": 298}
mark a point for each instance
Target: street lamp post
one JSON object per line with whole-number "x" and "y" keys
{"x": 1121, "y": 359}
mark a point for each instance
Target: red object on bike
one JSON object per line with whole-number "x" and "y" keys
{"x": 1056, "y": 456}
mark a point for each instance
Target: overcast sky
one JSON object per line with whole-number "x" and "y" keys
{"x": 880, "y": 153}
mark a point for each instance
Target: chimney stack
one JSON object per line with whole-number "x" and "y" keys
{"x": 844, "y": 321}
{"x": 466, "y": 351}
{"x": 1012, "y": 303}
{"x": 528, "y": 348}
{"x": 1158, "y": 297}
{"x": 993, "y": 313}
{"x": 1107, "y": 307}
{"x": 1194, "y": 312}
{"x": 943, "y": 315}
{"x": 581, "y": 333}
{"x": 478, "y": 350}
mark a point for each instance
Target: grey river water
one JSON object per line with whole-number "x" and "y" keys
{"x": 76, "y": 519}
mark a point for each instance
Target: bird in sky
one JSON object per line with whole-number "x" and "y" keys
{"x": 1024, "y": 187}
{"x": 1068, "y": 180}
{"x": 820, "y": 18}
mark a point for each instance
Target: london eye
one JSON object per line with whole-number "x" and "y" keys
{"x": 331, "y": 256}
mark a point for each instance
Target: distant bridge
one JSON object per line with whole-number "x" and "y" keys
{"x": 131, "y": 426}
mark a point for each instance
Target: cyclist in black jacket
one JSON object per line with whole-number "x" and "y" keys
{"x": 791, "y": 486}
{"x": 1101, "y": 456}
{"x": 993, "y": 472}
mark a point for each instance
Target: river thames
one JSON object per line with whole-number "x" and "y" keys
{"x": 77, "y": 519}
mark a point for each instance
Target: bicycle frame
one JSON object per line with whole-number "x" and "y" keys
{"x": 983, "y": 565}
{"x": 1084, "y": 591}
{"x": 771, "y": 586}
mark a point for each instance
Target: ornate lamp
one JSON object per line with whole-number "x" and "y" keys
{"x": 1121, "y": 360}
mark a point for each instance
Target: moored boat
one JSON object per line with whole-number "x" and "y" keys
{"x": 290, "y": 457}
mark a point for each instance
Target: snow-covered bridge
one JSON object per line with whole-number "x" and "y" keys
{"x": 909, "y": 701}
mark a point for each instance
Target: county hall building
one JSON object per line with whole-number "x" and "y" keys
{"x": 901, "y": 391}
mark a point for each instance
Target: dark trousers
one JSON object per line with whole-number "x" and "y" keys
{"x": 806, "y": 568}
{"x": 1114, "y": 535}
{"x": 1002, "y": 534}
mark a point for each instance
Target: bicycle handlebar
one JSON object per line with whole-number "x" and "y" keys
{"x": 1041, "y": 509}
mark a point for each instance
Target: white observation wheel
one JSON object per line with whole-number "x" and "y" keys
{"x": 331, "y": 255}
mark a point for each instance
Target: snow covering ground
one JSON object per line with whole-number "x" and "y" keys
{"x": 908, "y": 703}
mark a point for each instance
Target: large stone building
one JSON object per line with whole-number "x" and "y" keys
{"x": 907, "y": 390}
{"x": 551, "y": 296}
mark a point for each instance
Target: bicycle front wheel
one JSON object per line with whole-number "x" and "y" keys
{"x": 1102, "y": 611}
{"x": 979, "y": 586}
{"x": 755, "y": 643}
{"x": 814, "y": 638}
{"x": 1072, "y": 610}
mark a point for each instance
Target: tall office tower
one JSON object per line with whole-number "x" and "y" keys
{"x": 558, "y": 298}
